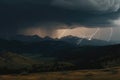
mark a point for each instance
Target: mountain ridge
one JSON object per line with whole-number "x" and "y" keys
{"x": 70, "y": 39}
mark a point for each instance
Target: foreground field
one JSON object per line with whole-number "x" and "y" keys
{"x": 107, "y": 74}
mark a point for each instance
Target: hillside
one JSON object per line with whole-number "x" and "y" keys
{"x": 15, "y": 60}
{"x": 13, "y": 63}
{"x": 92, "y": 56}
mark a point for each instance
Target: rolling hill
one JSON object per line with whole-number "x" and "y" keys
{"x": 14, "y": 61}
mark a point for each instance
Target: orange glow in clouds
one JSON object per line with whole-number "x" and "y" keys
{"x": 82, "y": 32}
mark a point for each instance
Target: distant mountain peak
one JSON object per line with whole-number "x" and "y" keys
{"x": 48, "y": 38}
{"x": 29, "y": 38}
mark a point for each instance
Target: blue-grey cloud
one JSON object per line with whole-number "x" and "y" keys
{"x": 92, "y": 5}
{"x": 50, "y": 14}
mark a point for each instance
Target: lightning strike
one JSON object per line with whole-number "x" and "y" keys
{"x": 94, "y": 34}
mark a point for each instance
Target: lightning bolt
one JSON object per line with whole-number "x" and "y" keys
{"x": 64, "y": 31}
{"x": 81, "y": 40}
{"x": 90, "y": 36}
{"x": 94, "y": 34}
{"x": 83, "y": 36}
{"x": 111, "y": 34}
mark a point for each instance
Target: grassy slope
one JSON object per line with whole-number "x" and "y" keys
{"x": 107, "y": 74}
{"x": 12, "y": 60}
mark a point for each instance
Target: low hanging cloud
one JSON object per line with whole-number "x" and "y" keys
{"x": 50, "y": 15}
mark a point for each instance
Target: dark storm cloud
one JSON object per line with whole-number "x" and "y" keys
{"x": 26, "y": 1}
{"x": 20, "y": 14}
{"x": 95, "y": 5}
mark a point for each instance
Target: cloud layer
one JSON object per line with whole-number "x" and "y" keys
{"x": 50, "y": 15}
{"x": 92, "y": 5}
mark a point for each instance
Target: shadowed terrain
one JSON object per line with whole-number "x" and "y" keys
{"x": 51, "y": 59}
{"x": 105, "y": 74}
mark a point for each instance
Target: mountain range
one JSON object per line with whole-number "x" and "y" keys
{"x": 69, "y": 39}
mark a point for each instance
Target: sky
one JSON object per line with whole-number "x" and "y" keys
{"x": 58, "y": 18}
